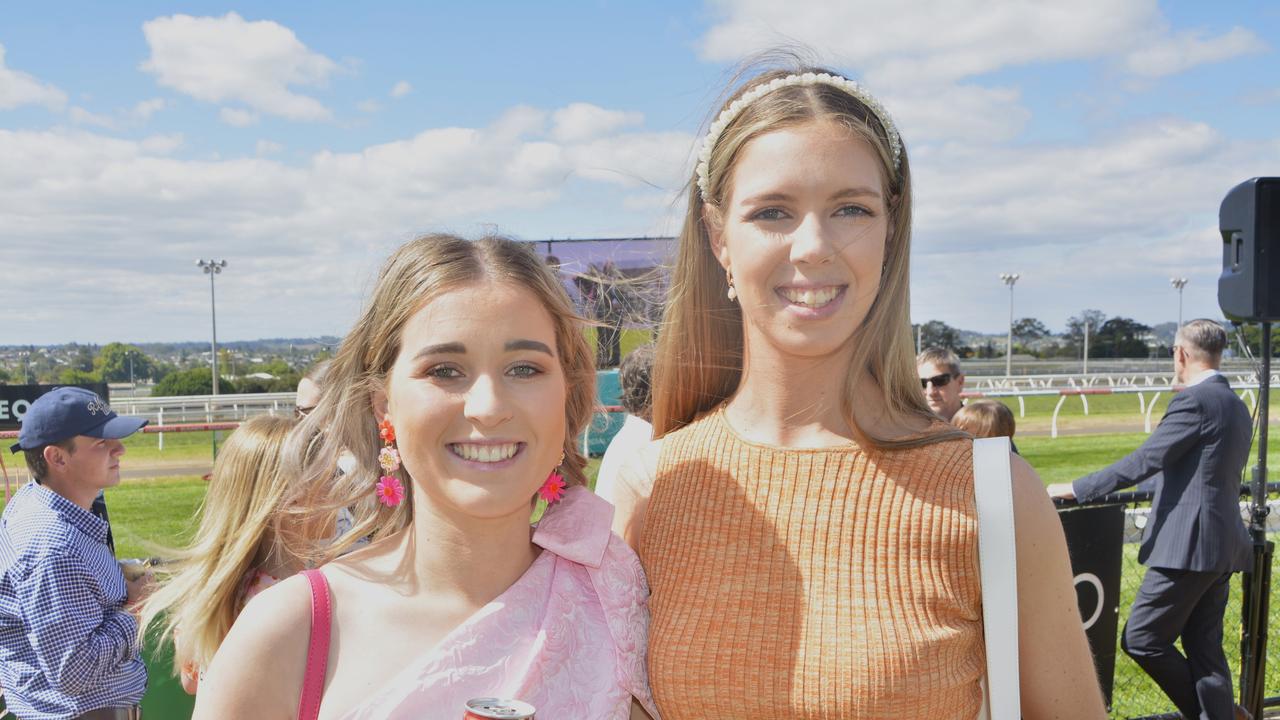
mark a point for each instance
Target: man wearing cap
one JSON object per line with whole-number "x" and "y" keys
{"x": 68, "y": 637}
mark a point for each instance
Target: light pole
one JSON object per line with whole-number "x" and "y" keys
{"x": 1009, "y": 279}
{"x": 1086, "y": 348}
{"x": 212, "y": 268}
{"x": 1178, "y": 283}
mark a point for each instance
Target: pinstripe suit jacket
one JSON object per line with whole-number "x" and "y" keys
{"x": 1201, "y": 447}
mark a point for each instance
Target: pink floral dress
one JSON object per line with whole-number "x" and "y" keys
{"x": 569, "y": 637}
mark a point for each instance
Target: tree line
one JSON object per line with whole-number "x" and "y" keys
{"x": 121, "y": 363}
{"x": 1108, "y": 337}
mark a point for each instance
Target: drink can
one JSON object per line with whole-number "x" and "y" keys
{"x": 487, "y": 708}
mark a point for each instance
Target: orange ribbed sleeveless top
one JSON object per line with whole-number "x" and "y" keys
{"x": 812, "y": 583}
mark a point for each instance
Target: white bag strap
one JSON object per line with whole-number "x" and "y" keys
{"x": 997, "y": 558}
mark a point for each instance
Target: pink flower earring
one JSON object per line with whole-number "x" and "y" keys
{"x": 388, "y": 489}
{"x": 553, "y": 489}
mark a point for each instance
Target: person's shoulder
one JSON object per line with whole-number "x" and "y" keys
{"x": 279, "y": 611}
{"x": 35, "y": 532}
{"x": 273, "y": 632}
{"x": 946, "y": 448}
{"x": 1215, "y": 386}
{"x": 639, "y": 465}
{"x": 272, "y": 629}
{"x": 1218, "y": 386}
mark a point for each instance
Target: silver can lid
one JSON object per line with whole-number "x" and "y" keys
{"x": 489, "y": 707}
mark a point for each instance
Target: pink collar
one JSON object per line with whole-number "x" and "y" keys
{"x": 577, "y": 527}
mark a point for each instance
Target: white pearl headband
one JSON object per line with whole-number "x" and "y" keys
{"x": 737, "y": 106}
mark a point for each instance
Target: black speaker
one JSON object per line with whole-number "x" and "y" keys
{"x": 1249, "y": 287}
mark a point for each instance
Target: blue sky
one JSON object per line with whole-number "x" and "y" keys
{"x": 1084, "y": 145}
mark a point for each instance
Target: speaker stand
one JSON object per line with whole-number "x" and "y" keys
{"x": 1257, "y": 582}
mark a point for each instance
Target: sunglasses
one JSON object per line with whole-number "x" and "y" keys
{"x": 937, "y": 380}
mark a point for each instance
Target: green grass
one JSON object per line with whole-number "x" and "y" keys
{"x": 1069, "y": 457}
{"x": 1106, "y": 412}
{"x": 152, "y": 515}
{"x": 178, "y": 446}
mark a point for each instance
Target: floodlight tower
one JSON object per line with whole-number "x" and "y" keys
{"x": 212, "y": 268}
{"x": 1009, "y": 279}
{"x": 1178, "y": 283}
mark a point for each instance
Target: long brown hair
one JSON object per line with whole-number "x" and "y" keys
{"x": 700, "y": 350}
{"x": 343, "y": 421}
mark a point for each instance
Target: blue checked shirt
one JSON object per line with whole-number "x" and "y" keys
{"x": 67, "y": 645}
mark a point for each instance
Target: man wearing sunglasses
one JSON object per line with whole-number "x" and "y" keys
{"x": 941, "y": 381}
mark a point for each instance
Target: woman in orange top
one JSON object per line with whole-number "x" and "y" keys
{"x": 807, "y": 525}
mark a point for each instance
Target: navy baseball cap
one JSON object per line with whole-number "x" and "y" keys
{"x": 70, "y": 411}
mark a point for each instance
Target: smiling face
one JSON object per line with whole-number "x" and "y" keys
{"x": 477, "y": 397}
{"x": 803, "y": 234}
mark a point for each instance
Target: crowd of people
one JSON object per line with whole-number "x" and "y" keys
{"x": 788, "y": 528}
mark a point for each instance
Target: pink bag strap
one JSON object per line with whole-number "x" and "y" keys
{"x": 317, "y": 647}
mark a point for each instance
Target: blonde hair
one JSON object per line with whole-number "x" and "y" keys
{"x": 700, "y": 348}
{"x": 985, "y": 419}
{"x": 202, "y": 598}
{"x": 344, "y": 421}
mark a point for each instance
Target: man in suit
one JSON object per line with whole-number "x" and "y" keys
{"x": 1194, "y": 537}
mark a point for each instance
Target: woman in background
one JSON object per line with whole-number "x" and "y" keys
{"x": 235, "y": 554}
{"x": 985, "y": 419}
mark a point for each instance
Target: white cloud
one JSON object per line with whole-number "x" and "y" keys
{"x": 923, "y": 56}
{"x": 401, "y": 89}
{"x": 236, "y": 117}
{"x": 18, "y": 88}
{"x": 80, "y": 116}
{"x": 1140, "y": 181}
{"x": 267, "y": 147}
{"x": 368, "y": 106}
{"x": 583, "y": 121}
{"x": 161, "y": 144}
{"x": 1102, "y": 224}
{"x": 145, "y": 109}
{"x": 1171, "y": 55}
{"x": 121, "y": 118}
{"x": 656, "y": 160}
{"x": 222, "y": 59}
{"x": 933, "y": 40}
{"x": 137, "y": 212}
{"x": 1077, "y": 220}
{"x": 958, "y": 112}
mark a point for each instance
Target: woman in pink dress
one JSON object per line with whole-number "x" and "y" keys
{"x": 460, "y": 392}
